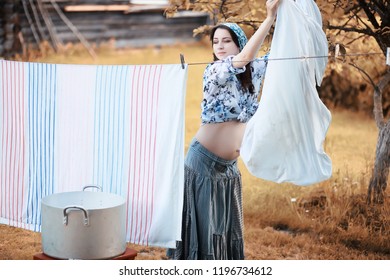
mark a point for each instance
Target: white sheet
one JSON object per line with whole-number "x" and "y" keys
{"x": 283, "y": 142}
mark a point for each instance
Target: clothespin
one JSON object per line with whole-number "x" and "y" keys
{"x": 182, "y": 61}
{"x": 337, "y": 50}
{"x": 388, "y": 56}
{"x": 340, "y": 51}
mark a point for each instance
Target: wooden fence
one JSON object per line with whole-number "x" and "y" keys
{"x": 26, "y": 23}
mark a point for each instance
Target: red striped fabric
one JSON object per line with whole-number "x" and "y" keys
{"x": 13, "y": 147}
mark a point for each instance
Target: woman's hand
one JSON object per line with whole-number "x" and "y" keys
{"x": 251, "y": 49}
{"x": 272, "y": 8}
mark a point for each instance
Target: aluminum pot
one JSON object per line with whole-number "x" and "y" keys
{"x": 83, "y": 225}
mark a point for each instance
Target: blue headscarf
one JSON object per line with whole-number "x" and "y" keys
{"x": 242, "y": 40}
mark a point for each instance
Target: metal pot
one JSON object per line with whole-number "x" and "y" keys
{"x": 83, "y": 225}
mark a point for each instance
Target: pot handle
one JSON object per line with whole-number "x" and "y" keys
{"x": 73, "y": 207}
{"x": 97, "y": 187}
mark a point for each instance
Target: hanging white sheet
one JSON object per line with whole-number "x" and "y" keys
{"x": 119, "y": 127}
{"x": 283, "y": 142}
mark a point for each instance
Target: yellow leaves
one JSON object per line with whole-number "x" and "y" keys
{"x": 246, "y": 12}
{"x": 170, "y": 11}
{"x": 188, "y": 5}
{"x": 204, "y": 29}
{"x": 337, "y": 67}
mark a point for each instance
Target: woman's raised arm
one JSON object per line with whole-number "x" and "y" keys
{"x": 251, "y": 49}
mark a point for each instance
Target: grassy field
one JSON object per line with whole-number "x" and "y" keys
{"x": 329, "y": 220}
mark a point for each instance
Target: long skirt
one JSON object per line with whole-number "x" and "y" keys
{"x": 212, "y": 225}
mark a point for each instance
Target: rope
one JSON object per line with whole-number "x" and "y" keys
{"x": 292, "y": 58}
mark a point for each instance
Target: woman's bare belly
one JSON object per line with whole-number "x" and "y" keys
{"x": 222, "y": 139}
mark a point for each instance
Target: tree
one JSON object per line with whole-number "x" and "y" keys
{"x": 359, "y": 19}
{"x": 370, "y": 19}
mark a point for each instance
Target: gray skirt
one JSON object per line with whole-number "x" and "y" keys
{"x": 212, "y": 225}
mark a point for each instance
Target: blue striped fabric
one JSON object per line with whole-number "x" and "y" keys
{"x": 41, "y": 95}
{"x": 109, "y": 138}
{"x": 120, "y": 127}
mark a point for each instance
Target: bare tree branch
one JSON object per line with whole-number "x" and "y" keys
{"x": 379, "y": 8}
{"x": 378, "y": 89}
{"x": 368, "y": 32}
{"x": 370, "y": 15}
{"x": 355, "y": 39}
{"x": 221, "y": 9}
{"x": 362, "y": 71}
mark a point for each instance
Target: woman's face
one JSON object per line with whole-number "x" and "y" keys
{"x": 223, "y": 44}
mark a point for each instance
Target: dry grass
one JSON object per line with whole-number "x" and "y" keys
{"x": 329, "y": 220}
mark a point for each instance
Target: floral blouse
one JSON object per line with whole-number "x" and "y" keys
{"x": 224, "y": 99}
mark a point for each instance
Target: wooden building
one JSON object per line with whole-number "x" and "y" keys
{"x": 131, "y": 23}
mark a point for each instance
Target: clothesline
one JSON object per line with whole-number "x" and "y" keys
{"x": 336, "y": 55}
{"x": 290, "y": 58}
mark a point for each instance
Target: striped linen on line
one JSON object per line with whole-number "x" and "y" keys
{"x": 120, "y": 127}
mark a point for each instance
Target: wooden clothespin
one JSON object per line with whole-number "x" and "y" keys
{"x": 340, "y": 52}
{"x": 388, "y": 56}
{"x": 337, "y": 50}
{"x": 182, "y": 61}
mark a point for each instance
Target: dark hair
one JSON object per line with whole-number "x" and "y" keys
{"x": 245, "y": 78}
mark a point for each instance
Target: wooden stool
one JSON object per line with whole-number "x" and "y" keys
{"x": 129, "y": 254}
